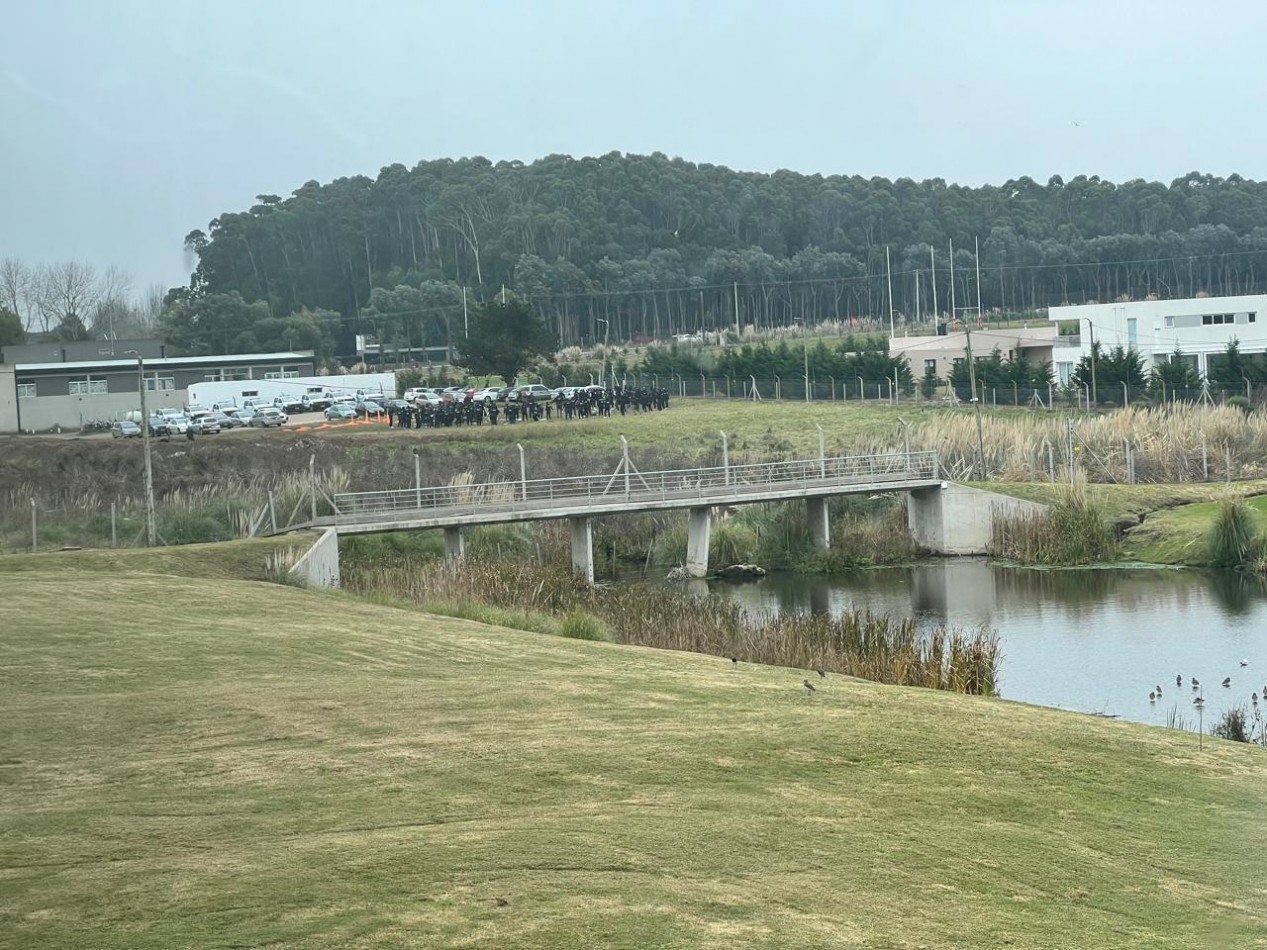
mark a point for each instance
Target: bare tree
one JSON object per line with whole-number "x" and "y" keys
{"x": 15, "y": 287}
{"x": 114, "y": 312}
{"x": 69, "y": 292}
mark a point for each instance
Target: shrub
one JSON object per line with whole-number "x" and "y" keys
{"x": 1233, "y": 725}
{"x": 1241, "y": 403}
{"x": 1230, "y": 541}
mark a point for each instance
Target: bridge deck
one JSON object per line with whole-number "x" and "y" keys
{"x": 629, "y": 491}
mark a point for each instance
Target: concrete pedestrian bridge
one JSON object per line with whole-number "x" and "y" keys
{"x": 945, "y": 518}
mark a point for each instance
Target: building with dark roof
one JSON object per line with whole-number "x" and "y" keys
{"x": 66, "y": 395}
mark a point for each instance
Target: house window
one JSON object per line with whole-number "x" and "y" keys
{"x": 1251, "y": 316}
{"x": 164, "y": 384}
{"x": 930, "y": 366}
{"x": 1217, "y": 319}
{"x": 26, "y": 390}
{"x": 1063, "y": 373}
{"x": 87, "y": 386}
{"x": 1170, "y": 323}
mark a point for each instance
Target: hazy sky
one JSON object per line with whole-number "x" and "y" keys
{"x": 128, "y": 123}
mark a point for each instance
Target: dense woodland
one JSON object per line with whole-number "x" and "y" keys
{"x": 653, "y": 245}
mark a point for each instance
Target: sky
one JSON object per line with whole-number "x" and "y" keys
{"x": 129, "y": 123}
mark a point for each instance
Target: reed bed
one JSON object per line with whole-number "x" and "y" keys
{"x": 1167, "y": 444}
{"x": 867, "y": 645}
{"x": 1073, "y": 530}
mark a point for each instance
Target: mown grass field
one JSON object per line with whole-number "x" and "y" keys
{"x": 237, "y": 764}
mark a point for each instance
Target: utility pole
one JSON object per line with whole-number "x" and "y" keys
{"x": 151, "y": 528}
{"x": 976, "y": 249}
{"x": 736, "y": 308}
{"x": 972, "y": 377}
{"x": 466, "y": 323}
{"x": 952, "y": 281}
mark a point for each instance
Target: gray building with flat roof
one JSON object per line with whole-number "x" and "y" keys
{"x": 62, "y": 396}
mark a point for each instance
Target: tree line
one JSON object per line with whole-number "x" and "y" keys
{"x": 628, "y": 247}
{"x": 69, "y": 300}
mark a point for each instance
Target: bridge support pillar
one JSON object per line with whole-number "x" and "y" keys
{"x": 819, "y": 526}
{"x": 582, "y": 549}
{"x": 699, "y": 529}
{"x": 455, "y": 545}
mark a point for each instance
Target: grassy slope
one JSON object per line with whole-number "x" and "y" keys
{"x": 226, "y": 560}
{"x": 1176, "y": 518}
{"x": 264, "y": 765}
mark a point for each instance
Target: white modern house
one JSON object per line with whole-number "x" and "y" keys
{"x": 1198, "y": 328}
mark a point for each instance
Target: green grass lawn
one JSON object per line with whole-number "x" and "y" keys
{"x": 247, "y": 559}
{"x": 239, "y": 764}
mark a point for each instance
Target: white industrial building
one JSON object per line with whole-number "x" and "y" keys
{"x": 1198, "y": 328}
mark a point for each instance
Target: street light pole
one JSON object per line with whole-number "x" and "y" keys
{"x": 151, "y": 528}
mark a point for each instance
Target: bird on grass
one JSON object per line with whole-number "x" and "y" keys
{"x": 1178, "y": 681}
{"x": 1159, "y": 690}
{"x": 809, "y": 687}
{"x": 1244, "y": 662}
{"x": 1253, "y": 697}
{"x": 1198, "y": 701}
{"x": 734, "y": 660}
{"x": 1227, "y": 682}
{"x": 822, "y": 674}
{"x": 1152, "y": 697}
{"x": 1196, "y": 683}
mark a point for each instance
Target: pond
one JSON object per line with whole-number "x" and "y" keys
{"x": 1094, "y": 640}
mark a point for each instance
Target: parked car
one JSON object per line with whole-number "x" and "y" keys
{"x": 488, "y": 394}
{"x": 267, "y": 416}
{"x": 159, "y": 428}
{"x": 178, "y": 425}
{"x": 368, "y": 408}
{"x": 290, "y": 404}
{"x": 429, "y": 396}
{"x": 536, "y": 390}
{"x": 340, "y": 411}
{"x": 228, "y": 420}
{"x": 125, "y": 430}
{"x": 206, "y": 425}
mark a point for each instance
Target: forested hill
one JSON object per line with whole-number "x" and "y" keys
{"x": 657, "y": 245}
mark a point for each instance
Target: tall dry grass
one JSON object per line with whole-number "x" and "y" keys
{"x": 1172, "y": 443}
{"x": 871, "y": 646}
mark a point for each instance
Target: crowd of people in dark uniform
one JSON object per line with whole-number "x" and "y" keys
{"x": 578, "y": 404}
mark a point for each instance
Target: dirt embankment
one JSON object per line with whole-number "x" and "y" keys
{"x": 106, "y": 469}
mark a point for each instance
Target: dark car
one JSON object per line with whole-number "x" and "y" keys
{"x": 368, "y": 408}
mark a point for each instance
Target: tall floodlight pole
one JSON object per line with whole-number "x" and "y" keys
{"x": 888, "y": 273}
{"x": 607, "y": 329}
{"x": 151, "y": 527}
{"x": 466, "y": 323}
{"x": 952, "y": 280}
{"x": 932, "y": 263}
{"x": 976, "y": 251}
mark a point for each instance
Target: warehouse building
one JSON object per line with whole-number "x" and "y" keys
{"x": 65, "y": 395}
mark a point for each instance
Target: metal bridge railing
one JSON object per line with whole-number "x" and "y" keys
{"x": 630, "y": 485}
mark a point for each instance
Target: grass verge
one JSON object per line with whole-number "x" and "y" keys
{"x": 270, "y": 766}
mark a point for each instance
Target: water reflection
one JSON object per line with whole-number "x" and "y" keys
{"x": 1089, "y": 640}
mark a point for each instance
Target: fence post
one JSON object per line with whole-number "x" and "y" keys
{"x": 34, "y": 532}
{"x": 725, "y": 459}
{"x": 312, "y": 483}
{"x": 523, "y": 471}
{"x": 272, "y": 513}
{"x": 822, "y": 452}
{"x": 1227, "y": 454}
{"x": 114, "y": 527}
{"x": 417, "y": 480}
{"x": 1205, "y": 460}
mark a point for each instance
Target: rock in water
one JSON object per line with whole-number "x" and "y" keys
{"x": 678, "y": 574}
{"x": 741, "y": 571}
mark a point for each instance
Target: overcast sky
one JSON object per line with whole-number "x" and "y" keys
{"x": 128, "y": 123}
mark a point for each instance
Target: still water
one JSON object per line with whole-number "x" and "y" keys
{"x": 1087, "y": 640}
